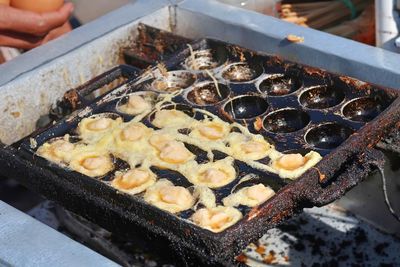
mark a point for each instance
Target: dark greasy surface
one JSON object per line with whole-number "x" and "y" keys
{"x": 325, "y": 237}
{"x": 17, "y": 195}
{"x": 391, "y": 142}
{"x": 341, "y": 170}
{"x": 314, "y": 238}
{"x": 152, "y": 45}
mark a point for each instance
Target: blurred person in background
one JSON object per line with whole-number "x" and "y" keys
{"x": 26, "y": 24}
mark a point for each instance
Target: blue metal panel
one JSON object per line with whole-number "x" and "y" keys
{"x": 27, "y": 242}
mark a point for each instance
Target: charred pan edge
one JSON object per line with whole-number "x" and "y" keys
{"x": 77, "y": 98}
{"x": 152, "y": 45}
{"x": 339, "y": 171}
{"x": 391, "y": 141}
{"x": 77, "y": 194}
{"x": 195, "y": 246}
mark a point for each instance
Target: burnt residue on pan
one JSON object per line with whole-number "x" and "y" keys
{"x": 92, "y": 90}
{"x": 286, "y": 120}
{"x": 246, "y": 107}
{"x": 152, "y": 45}
{"x": 279, "y": 85}
{"x": 173, "y": 81}
{"x": 321, "y": 97}
{"x": 364, "y": 109}
{"x": 242, "y": 72}
{"x": 296, "y": 107}
{"x": 328, "y": 135}
{"x": 206, "y": 59}
{"x": 208, "y": 93}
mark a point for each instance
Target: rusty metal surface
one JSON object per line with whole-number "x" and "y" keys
{"x": 379, "y": 64}
{"x": 152, "y": 45}
{"x": 338, "y": 172}
{"x": 391, "y": 141}
{"x": 192, "y": 246}
{"x": 367, "y": 200}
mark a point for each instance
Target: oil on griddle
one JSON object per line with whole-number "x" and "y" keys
{"x": 296, "y": 108}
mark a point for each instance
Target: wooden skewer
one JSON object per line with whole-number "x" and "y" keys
{"x": 332, "y": 17}
{"x": 296, "y": 20}
{"x": 321, "y": 15}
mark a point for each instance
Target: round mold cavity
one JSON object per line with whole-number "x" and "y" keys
{"x": 242, "y": 72}
{"x": 73, "y": 139}
{"x": 206, "y": 59}
{"x": 364, "y": 109}
{"x": 147, "y": 95}
{"x": 174, "y": 81}
{"x": 107, "y": 176}
{"x": 182, "y": 107}
{"x": 246, "y": 107}
{"x": 328, "y": 136}
{"x": 110, "y": 115}
{"x": 286, "y": 120}
{"x": 279, "y": 85}
{"x": 321, "y": 97}
{"x": 206, "y": 93}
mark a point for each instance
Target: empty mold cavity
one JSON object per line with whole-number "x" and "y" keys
{"x": 174, "y": 81}
{"x": 279, "y": 85}
{"x": 246, "y": 107}
{"x": 321, "y": 97}
{"x": 328, "y": 136}
{"x": 206, "y": 59}
{"x": 364, "y": 109}
{"x": 286, "y": 121}
{"x": 208, "y": 93}
{"x": 242, "y": 72}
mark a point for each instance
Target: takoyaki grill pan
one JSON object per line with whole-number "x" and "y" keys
{"x": 296, "y": 107}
